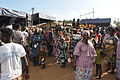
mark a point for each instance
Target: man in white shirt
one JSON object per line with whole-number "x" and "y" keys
{"x": 18, "y": 36}
{"x": 10, "y": 57}
{"x": 26, "y": 35}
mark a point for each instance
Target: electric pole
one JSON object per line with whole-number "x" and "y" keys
{"x": 31, "y": 16}
{"x": 32, "y": 11}
{"x": 88, "y": 14}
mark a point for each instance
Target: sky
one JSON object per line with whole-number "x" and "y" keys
{"x": 67, "y": 9}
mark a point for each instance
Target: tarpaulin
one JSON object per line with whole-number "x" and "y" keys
{"x": 12, "y": 13}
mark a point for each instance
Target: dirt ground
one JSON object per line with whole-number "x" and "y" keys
{"x": 54, "y": 72}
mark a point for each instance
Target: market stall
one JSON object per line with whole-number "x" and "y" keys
{"x": 8, "y": 16}
{"x": 40, "y": 18}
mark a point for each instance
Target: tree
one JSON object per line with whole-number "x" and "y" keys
{"x": 117, "y": 23}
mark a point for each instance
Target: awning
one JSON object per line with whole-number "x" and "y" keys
{"x": 12, "y": 13}
{"x": 43, "y": 16}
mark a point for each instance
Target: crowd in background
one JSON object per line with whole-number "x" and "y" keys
{"x": 96, "y": 47}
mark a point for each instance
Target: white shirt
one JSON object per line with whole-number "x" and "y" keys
{"x": 10, "y": 59}
{"x": 26, "y": 35}
{"x": 18, "y": 36}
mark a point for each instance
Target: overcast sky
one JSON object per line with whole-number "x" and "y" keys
{"x": 67, "y": 9}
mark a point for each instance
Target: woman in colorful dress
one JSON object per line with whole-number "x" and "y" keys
{"x": 118, "y": 56}
{"x": 84, "y": 58}
{"x": 56, "y": 50}
{"x": 110, "y": 49}
{"x": 63, "y": 52}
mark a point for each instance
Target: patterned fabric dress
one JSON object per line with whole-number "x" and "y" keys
{"x": 83, "y": 73}
{"x": 109, "y": 49}
{"x": 56, "y": 50}
{"x": 86, "y": 56}
{"x": 63, "y": 53}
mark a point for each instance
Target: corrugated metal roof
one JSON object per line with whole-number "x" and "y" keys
{"x": 46, "y": 16}
{"x": 43, "y": 16}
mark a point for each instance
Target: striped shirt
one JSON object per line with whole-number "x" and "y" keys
{"x": 86, "y": 55}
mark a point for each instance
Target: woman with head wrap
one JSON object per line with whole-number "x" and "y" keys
{"x": 84, "y": 57}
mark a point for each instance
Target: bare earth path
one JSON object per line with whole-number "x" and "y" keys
{"x": 54, "y": 72}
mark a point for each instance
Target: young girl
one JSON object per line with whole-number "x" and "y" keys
{"x": 98, "y": 60}
{"x": 42, "y": 55}
{"x": 72, "y": 46}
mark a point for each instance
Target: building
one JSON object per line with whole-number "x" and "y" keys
{"x": 40, "y": 18}
{"x": 97, "y": 22}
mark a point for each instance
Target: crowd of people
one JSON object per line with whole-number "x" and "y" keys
{"x": 96, "y": 47}
{"x": 104, "y": 51}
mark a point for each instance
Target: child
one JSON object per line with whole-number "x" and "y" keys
{"x": 42, "y": 55}
{"x": 63, "y": 53}
{"x": 98, "y": 61}
{"x": 62, "y": 59}
{"x": 72, "y": 45}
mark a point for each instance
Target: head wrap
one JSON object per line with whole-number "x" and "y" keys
{"x": 84, "y": 32}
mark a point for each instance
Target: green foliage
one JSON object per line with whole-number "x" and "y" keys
{"x": 117, "y": 23}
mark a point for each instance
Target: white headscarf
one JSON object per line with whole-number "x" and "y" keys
{"x": 84, "y": 32}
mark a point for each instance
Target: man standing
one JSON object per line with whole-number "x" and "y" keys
{"x": 25, "y": 40}
{"x": 10, "y": 57}
{"x": 18, "y": 36}
{"x": 26, "y": 35}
